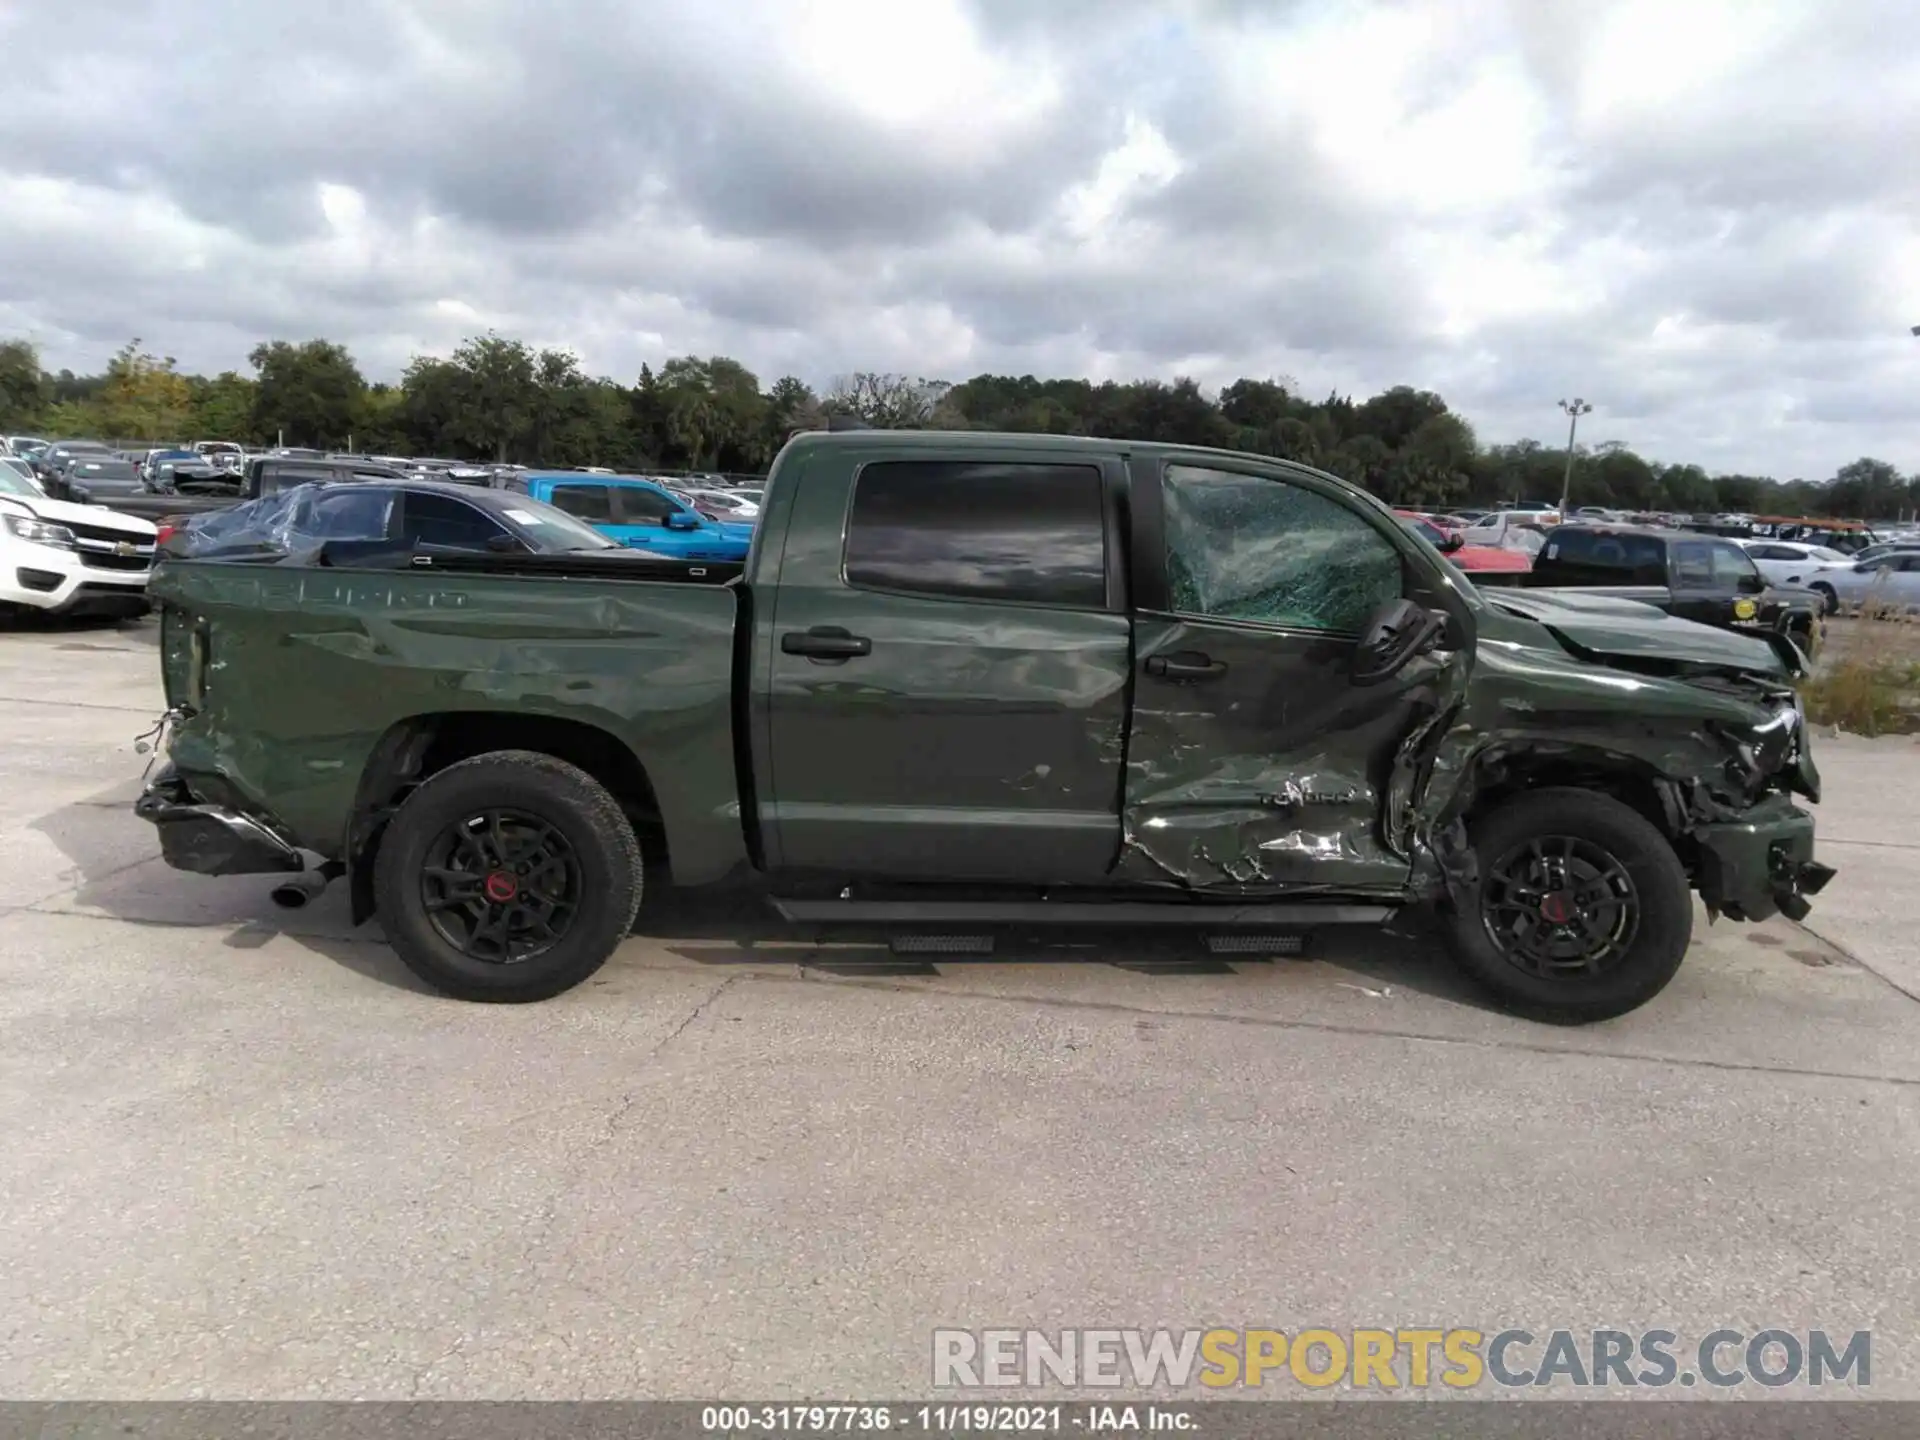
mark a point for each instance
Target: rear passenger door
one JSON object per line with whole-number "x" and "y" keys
{"x": 947, "y": 675}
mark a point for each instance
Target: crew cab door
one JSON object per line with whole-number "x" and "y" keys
{"x": 945, "y": 667}
{"x": 1254, "y": 763}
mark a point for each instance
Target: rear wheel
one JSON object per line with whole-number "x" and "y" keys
{"x": 508, "y": 877}
{"x": 1581, "y": 911}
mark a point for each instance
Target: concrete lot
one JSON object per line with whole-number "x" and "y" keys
{"x": 247, "y": 1157}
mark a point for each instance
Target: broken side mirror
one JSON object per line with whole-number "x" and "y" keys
{"x": 1397, "y": 632}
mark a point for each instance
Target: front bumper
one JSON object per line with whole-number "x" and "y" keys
{"x": 212, "y": 839}
{"x": 58, "y": 581}
{"x": 1762, "y": 865}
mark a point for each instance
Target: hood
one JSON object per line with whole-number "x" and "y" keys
{"x": 735, "y": 529}
{"x": 1608, "y": 628}
{"x": 63, "y": 512}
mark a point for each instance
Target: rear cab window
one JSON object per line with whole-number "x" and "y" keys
{"x": 1015, "y": 532}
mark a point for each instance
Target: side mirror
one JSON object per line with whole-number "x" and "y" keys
{"x": 1454, "y": 541}
{"x": 683, "y": 520}
{"x": 1398, "y": 631}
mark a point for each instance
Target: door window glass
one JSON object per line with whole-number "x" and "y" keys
{"x": 1732, "y": 566}
{"x": 639, "y": 506}
{"x": 1245, "y": 548}
{"x": 443, "y": 520}
{"x": 1692, "y": 564}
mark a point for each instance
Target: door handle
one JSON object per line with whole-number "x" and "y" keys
{"x": 825, "y": 642}
{"x": 1186, "y": 665}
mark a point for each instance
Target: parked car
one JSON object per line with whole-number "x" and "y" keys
{"x": 1485, "y": 564}
{"x": 62, "y": 559}
{"x": 978, "y": 682}
{"x": 1695, "y": 577}
{"x": 422, "y": 518}
{"x": 15, "y": 465}
{"x": 264, "y": 475}
{"x": 91, "y": 480}
{"x": 721, "y": 504}
{"x": 1890, "y": 580}
{"x": 23, "y": 447}
{"x": 55, "y": 458}
{"x": 1796, "y": 565}
{"x": 1522, "y": 530}
{"x": 637, "y": 512}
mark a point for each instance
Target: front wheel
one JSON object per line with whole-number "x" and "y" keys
{"x": 1581, "y": 911}
{"x": 1829, "y": 600}
{"x": 508, "y": 877}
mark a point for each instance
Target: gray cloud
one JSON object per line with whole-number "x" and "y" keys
{"x": 1702, "y": 222}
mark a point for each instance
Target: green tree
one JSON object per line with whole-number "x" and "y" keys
{"x": 307, "y": 394}
{"x": 144, "y": 397}
{"x": 222, "y": 407}
{"x": 24, "y": 392}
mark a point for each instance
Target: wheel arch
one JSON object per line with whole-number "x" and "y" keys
{"x": 422, "y": 745}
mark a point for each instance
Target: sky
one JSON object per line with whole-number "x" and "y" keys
{"x": 1701, "y": 216}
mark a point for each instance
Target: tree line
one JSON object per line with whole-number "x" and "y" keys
{"x": 496, "y": 398}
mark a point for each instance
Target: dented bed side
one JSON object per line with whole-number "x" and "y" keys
{"x": 284, "y": 680}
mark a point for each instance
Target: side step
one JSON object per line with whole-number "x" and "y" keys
{"x": 994, "y": 913}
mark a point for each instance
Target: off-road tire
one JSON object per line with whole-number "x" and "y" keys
{"x": 611, "y": 875}
{"x": 1661, "y": 887}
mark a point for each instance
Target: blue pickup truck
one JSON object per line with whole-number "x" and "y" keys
{"x": 638, "y": 513}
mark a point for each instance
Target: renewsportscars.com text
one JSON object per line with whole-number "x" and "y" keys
{"x": 1398, "y": 1358}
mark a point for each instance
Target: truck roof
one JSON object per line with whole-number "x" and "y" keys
{"x": 947, "y": 441}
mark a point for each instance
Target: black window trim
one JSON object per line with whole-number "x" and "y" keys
{"x": 1150, "y": 536}
{"x": 1113, "y": 529}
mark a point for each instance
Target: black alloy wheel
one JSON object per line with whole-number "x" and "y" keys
{"x": 1559, "y": 905}
{"x": 501, "y": 886}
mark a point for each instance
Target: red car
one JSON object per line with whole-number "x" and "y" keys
{"x": 1488, "y": 564}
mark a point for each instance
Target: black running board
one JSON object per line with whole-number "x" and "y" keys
{"x": 995, "y": 913}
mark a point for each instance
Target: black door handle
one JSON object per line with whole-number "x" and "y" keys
{"x": 825, "y": 642}
{"x": 1186, "y": 665}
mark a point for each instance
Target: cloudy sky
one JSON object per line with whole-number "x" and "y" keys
{"x": 1701, "y": 215}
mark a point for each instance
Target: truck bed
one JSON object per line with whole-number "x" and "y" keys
{"x": 647, "y": 659}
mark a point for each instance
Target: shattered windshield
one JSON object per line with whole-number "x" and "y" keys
{"x": 1245, "y": 548}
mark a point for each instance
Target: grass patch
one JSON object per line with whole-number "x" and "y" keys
{"x": 1870, "y": 683}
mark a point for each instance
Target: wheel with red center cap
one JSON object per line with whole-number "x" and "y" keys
{"x": 1580, "y": 910}
{"x": 507, "y": 877}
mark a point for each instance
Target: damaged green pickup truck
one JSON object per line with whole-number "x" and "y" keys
{"x": 967, "y": 684}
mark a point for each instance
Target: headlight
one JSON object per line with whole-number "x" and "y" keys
{"x": 40, "y": 532}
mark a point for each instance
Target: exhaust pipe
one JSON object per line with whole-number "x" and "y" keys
{"x": 295, "y": 893}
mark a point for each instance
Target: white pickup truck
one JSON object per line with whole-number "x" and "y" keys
{"x": 64, "y": 559}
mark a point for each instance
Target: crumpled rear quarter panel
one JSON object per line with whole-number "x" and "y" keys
{"x": 305, "y": 670}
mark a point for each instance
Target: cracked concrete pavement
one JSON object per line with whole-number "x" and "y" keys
{"x": 248, "y": 1157}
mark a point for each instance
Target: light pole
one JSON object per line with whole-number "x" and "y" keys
{"x": 1574, "y": 411}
